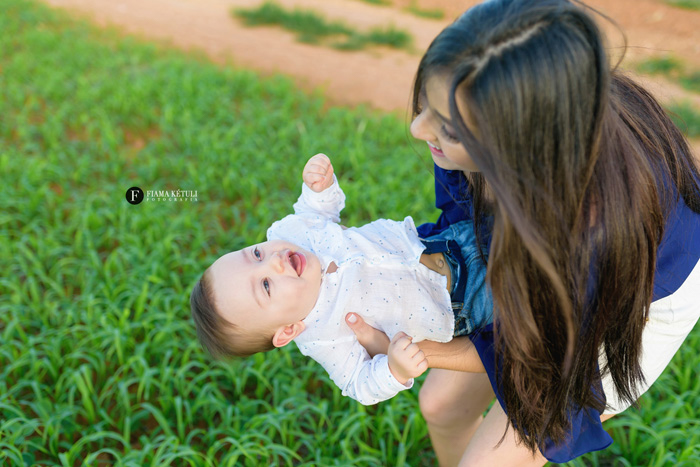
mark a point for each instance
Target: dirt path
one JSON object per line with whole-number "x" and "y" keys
{"x": 379, "y": 77}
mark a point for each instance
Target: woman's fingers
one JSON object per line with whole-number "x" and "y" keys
{"x": 373, "y": 340}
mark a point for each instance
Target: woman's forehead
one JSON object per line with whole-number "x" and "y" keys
{"x": 435, "y": 94}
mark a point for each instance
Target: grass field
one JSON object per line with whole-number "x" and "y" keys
{"x": 99, "y": 364}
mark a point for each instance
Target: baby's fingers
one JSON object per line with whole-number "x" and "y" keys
{"x": 311, "y": 178}
{"x": 414, "y": 352}
{"x": 319, "y": 160}
{"x": 416, "y": 356}
{"x": 401, "y": 340}
{"x": 421, "y": 367}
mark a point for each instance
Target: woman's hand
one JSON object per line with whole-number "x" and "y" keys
{"x": 373, "y": 340}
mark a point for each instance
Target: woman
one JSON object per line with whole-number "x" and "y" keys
{"x": 587, "y": 202}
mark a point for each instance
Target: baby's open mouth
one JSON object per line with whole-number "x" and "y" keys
{"x": 298, "y": 262}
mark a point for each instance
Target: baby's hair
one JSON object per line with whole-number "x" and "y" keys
{"x": 221, "y": 338}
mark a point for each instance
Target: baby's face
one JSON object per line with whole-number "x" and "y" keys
{"x": 266, "y": 286}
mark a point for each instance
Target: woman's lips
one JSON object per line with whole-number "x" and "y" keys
{"x": 435, "y": 151}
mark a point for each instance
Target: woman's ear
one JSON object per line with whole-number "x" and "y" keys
{"x": 286, "y": 334}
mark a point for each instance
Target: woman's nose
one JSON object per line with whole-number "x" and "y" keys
{"x": 420, "y": 128}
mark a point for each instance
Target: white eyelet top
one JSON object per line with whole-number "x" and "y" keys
{"x": 379, "y": 277}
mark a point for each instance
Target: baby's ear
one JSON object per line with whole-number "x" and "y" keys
{"x": 286, "y": 334}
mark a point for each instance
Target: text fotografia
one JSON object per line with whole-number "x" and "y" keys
{"x": 171, "y": 195}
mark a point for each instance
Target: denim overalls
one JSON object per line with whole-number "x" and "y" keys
{"x": 472, "y": 302}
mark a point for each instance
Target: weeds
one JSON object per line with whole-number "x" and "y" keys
{"x": 674, "y": 69}
{"x": 433, "y": 13}
{"x": 378, "y": 2}
{"x": 687, "y": 4}
{"x": 413, "y": 8}
{"x": 686, "y": 117}
{"x": 684, "y": 114}
{"x": 660, "y": 66}
{"x": 313, "y": 28}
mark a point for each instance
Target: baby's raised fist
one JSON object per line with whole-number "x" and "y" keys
{"x": 318, "y": 173}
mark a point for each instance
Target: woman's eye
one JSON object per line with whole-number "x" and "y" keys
{"x": 266, "y": 286}
{"x": 447, "y": 134}
{"x": 256, "y": 253}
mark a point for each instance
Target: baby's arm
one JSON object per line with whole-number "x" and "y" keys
{"x": 406, "y": 360}
{"x": 321, "y": 197}
{"x": 459, "y": 354}
{"x": 318, "y": 206}
{"x": 367, "y": 380}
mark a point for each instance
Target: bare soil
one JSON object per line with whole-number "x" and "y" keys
{"x": 378, "y": 77}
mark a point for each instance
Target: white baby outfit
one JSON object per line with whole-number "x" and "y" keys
{"x": 379, "y": 277}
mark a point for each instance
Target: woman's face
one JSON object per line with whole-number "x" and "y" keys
{"x": 433, "y": 126}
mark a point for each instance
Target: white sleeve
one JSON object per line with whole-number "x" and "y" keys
{"x": 313, "y": 212}
{"x": 325, "y": 205}
{"x": 365, "y": 379}
{"x": 670, "y": 321}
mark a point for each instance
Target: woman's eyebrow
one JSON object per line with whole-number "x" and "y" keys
{"x": 426, "y": 103}
{"x": 442, "y": 117}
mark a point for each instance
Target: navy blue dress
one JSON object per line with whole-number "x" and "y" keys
{"x": 678, "y": 255}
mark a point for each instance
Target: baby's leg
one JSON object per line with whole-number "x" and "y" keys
{"x": 452, "y": 403}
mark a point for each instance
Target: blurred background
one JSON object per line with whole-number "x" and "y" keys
{"x": 99, "y": 364}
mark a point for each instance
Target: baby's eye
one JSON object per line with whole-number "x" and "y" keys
{"x": 256, "y": 253}
{"x": 266, "y": 286}
{"x": 448, "y": 135}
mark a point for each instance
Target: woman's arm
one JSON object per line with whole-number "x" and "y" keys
{"x": 459, "y": 354}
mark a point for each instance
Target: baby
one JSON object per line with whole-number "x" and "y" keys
{"x": 300, "y": 284}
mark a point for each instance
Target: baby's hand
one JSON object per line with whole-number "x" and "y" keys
{"x": 406, "y": 360}
{"x": 318, "y": 173}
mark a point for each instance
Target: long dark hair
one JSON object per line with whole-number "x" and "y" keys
{"x": 582, "y": 165}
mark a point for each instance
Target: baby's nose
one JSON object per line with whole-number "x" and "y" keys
{"x": 278, "y": 260}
